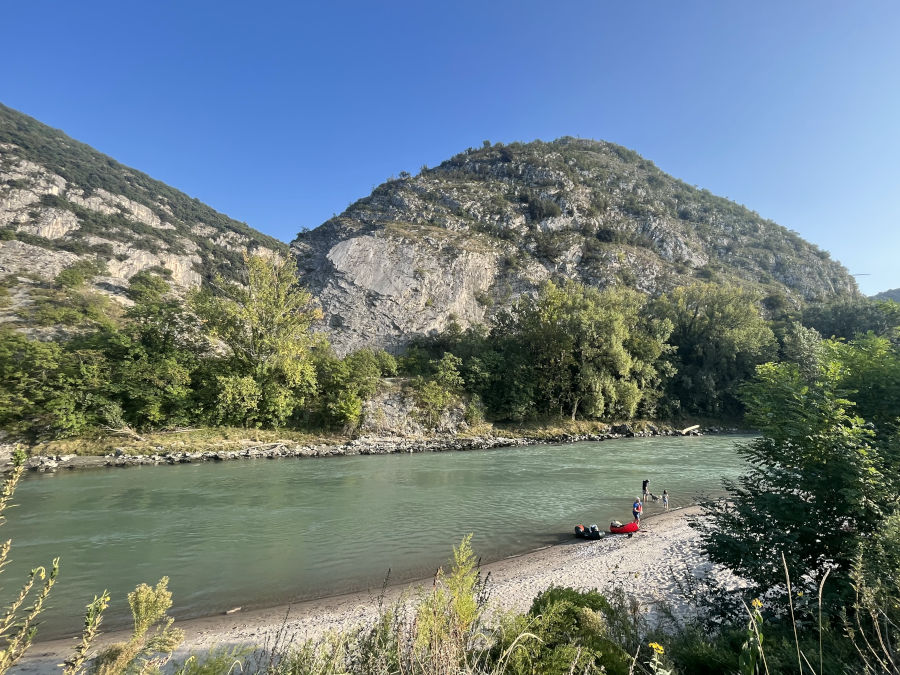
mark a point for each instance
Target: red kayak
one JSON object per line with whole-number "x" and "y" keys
{"x": 627, "y": 528}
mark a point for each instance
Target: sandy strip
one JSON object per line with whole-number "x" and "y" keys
{"x": 646, "y": 567}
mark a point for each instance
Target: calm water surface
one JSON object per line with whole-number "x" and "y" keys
{"x": 265, "y": 532}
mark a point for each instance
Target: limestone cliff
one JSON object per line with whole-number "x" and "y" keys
{"x": 462, "y": 240}
{"x": 61, "y": 201}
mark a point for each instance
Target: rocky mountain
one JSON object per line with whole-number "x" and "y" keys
{"x": 462, "y": 240}
{"x": 892, "y": 294}
{"x": 61, "y": 201}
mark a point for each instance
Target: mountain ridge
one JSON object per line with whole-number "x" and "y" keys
{"x": 890, "y": 294}
{"x": 458, "y": 242}
{"x": 452, "y": 245}
{"x": 62, "y": 202}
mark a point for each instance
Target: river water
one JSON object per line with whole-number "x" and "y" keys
{"x": 266, "y": 532}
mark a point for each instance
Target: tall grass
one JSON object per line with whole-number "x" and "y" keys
{"x": 18, "y": 624}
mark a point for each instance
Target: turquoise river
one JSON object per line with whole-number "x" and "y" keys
{"x": 258, "y": 533}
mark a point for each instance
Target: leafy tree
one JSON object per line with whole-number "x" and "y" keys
{"x": 48, "y": 390}
{"x": 593, "y": 352}
{"x": 804, "y": 347}
{"x": 849, "y": 317}
{"x": 387, "y": 364}
{"x": 153, "y": 357}
{"x": 265, "y": 324}
{"x": 719, "y": 337}
{"x": 871, "y": 374}
{"x": 344, "y": 384}
{"x": 813, "y": 489}
{"x": 436, "y": 394}
{"x": 147, "y": 288}
{"x": 237, "y": 400}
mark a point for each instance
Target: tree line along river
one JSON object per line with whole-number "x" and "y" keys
{"x": 261, "y": 533}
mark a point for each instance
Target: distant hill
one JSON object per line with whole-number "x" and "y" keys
{"x": 462, "y": 240}
{"x": 893, "y": 294}
{"x": 62, "y": 201}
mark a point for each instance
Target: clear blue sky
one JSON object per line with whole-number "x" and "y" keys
{"x": 282, "y": 113}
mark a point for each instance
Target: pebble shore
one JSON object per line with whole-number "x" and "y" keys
{"x": 360, "y": 446}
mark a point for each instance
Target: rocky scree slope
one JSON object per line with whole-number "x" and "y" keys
{"x": 464, "y": 239}
{"x": 62, "y": 201}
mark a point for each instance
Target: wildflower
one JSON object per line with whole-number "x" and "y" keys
{"x": 799, "y": 594}
{"x": 757, "y": 603}
{"x": 656, "y": 647}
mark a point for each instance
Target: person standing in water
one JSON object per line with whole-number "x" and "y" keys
{"x": 637, "y": 509}
{"x": 645, "y": 490}
{"x": 665, "y": 496}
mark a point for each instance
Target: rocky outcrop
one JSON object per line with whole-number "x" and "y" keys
{"x": 392, "y": 412}
{"x": 61, "y": 201}
{"x": 461, "y": 241}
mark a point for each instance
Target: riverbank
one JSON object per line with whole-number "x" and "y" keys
{"x": 647, "y": 567}
{"x": 206, "y": 446}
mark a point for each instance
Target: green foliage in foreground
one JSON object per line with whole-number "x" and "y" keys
{"x": 19, "y": 623}
{"x": 820, "y": 480}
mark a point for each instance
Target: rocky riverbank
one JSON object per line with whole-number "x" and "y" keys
{"x": 368, "y": 445}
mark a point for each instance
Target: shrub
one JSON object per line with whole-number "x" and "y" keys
{"x": 19, "y": 625}
{"x": 573, "y": 631}
{"x": 79, "y": 273}
{"x": 153, "y": 639}
{"x": 237, "y": 400}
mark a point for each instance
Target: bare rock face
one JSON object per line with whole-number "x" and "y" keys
{"x": 385, "y": 287}
{"x": 392, "y": 412}
{"x": 17, "y": 258}
{"x": 61, "y": 201}
{"x": 463, "y": 240}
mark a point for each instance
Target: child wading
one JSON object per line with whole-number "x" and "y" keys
{"x": 665, "y": 497}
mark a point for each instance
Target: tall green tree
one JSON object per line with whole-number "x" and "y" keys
{"x": 265, "y": 324}
{"x": 848, "y": 318}
{"x": 814, "y": 486}
{"x": 719, "y": 337}
{"x": 592, "y": 352}
{"x": 51, "y": 390}
{"x": 871, "y": 374}
{"x": 344, "y": 384}
{"x": 153, "y": 356}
